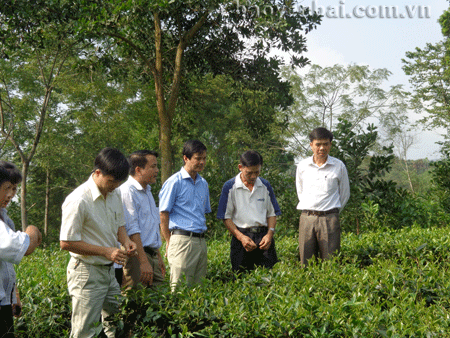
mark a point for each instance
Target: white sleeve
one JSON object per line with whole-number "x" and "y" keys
{"x": 13, "y": 245}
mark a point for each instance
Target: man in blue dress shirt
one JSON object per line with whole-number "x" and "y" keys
{"x": 183, "y": 202}
{"x": 142, "y": 222}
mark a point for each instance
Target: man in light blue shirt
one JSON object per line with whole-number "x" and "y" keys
{"x": 183, "y": 202}
{"x": 142, "y": 222}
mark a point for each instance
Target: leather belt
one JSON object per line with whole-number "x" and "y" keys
{"x": 152, "y": 252}
{"x": 253, "y": 230}
{"x": 187, "y": 233}
{"x": 320, "y": 213}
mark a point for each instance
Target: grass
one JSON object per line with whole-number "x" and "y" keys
{"x": 382, "y": 284}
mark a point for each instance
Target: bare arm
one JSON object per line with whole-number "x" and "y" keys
{"x": 35, "y": 238}
{"x": 246, "y": 241}
{"x": 128, "y": 244}
{"x": 115, "y": 255}
{"x": 144, "y": 264}
{"x": 164, "y": 217}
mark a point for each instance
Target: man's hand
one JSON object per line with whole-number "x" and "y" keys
{"x": 167, "y": 248}
{"x": 266, "y": 241}
{"x": 130, "y": 247}
{"x": 116, "y": 255}
{"x": 162, "y": 266}
{"x": 146, "y": 273}
{"x": 247, "y": 243}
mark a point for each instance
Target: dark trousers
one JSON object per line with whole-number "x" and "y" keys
{"x": 6, "y": 322}
{"x": 241, "y": 260}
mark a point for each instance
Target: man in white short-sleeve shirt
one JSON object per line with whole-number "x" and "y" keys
{"x": 248, "y": 208}
{"x": 323, "y": 190}
{"x": 92, "y": 223}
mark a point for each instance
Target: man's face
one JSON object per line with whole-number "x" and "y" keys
{"x": 250, "y": 174}
{"x": 105, "y": 183}
{"x": 321, "y": 148}
{"x": 5, "y": 191}
{"x": 149, "y": 174}
{"x": 196, "y": 163}
{"x": 9, "y": 196}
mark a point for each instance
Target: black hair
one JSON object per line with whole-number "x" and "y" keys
{"x": 321, "y": 134}
{"x": 139, "y": 159}
{"x": 14, "y": 173}
{"x": 111, "y": 161}
{"x": 5, "y": 176}
{"x": 251, "y": 158}
{"x": 192, "y": 147}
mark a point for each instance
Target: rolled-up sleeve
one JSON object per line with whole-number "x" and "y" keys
{"x": 13, "y": 245}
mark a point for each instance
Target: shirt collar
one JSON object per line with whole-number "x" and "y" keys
{"x": 134, "y": 183}
{"x": 240, "y": 184}
{"x": 330, "y": 161}
{"x": 93, "y": 188}
{"x": 185, "y": 174}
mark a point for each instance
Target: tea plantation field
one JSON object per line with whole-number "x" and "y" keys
{"x": 383, "y": 284}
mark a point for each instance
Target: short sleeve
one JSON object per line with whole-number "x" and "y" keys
{"x": 167, "y": 195}
{"x": 72, "y": 220}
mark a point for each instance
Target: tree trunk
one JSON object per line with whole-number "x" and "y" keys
{"x": 23, "y": 195}
{"x": 47, "y": 200}
{"x": 409, "y": 175}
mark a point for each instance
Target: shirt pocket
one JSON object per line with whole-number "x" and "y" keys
{"x": 331, "y": 182}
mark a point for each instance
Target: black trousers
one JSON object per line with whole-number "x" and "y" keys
{"x": 241, "y": 260}
{"x": 6, "y": 322}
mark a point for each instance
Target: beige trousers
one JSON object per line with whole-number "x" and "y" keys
{"x": 95, "y": 294}
{"x": 319, "y": 236}
{"x": 187, "y": 258}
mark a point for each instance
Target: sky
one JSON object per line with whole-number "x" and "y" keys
{"x": 356, "y": 32}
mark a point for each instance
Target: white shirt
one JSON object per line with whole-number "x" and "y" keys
{"x": 322, "y": 188}
{"x": 141, "y": 213}
{"x": 247, "y": 208}
{"x": 87, "y": 216}
{"x": 13, "y": 246}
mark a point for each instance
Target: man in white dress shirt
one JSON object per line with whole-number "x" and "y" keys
{"x": 92, "y": 224}
{"x": 323, "y": 190}
{"x": 142, "y": 222}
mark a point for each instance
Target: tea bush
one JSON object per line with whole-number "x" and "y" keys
{"x": 382, "y": 284}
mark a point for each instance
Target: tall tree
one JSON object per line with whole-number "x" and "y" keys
{"x": 33, "y": 56}
{"x": 171, "y": 39}
{"x": 429, "y": 73}
{"x": 325, "y": 94}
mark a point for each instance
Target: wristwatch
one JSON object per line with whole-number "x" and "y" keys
{"x": 272, "y": 229}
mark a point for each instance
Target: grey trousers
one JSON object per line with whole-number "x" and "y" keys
{"x": 319, "y": 236}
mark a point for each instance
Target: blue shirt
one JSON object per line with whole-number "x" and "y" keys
{"x": 141, "y": 213}
{"x": 185, "y": 201}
